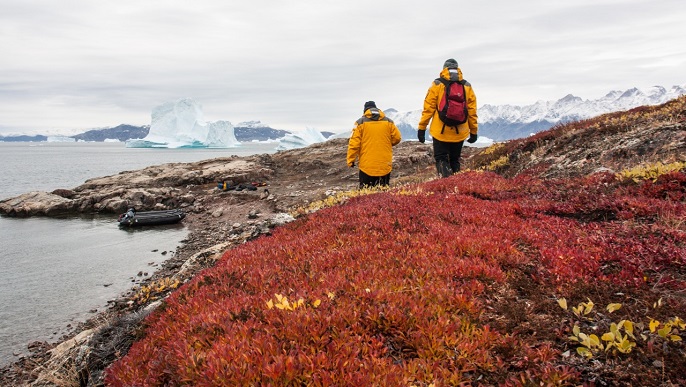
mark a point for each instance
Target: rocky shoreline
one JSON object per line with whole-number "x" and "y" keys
{"x": 217, "y": 221}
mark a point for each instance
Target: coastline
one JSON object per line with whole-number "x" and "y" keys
{"x": 217, "y": 221}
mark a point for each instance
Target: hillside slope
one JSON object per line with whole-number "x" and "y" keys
{"x": 610, "y": 142}
{"x": 550, "y": 277}
{"x": 436, "y": 282}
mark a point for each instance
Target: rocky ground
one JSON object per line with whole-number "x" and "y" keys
{"x": 216, "y": 219}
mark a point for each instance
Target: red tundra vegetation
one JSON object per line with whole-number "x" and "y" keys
{"x": 476, "y": 279}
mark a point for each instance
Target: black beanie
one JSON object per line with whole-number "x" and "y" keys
{"x": 369, "y": 105}
{"x": 450, "y": 63}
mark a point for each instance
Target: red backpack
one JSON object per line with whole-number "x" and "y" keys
{"x": 452, "y": 108}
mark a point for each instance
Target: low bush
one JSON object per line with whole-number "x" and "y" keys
{"x": 452, "y": 282}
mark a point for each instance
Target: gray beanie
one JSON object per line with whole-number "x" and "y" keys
{"x": 450, "y": 63}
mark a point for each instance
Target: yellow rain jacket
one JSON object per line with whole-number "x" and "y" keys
{"x": 372, "y": 141}
{"x": 430, "y": 112}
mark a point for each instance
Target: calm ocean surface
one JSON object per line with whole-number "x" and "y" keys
{"x": 55, "y": 272}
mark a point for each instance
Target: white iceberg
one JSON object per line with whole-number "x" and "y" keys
{"x": 180, "y": 124}
{"x": 481, "y": 142}
{"x": 300, "y": 139}
{"x": 60, "y": 139}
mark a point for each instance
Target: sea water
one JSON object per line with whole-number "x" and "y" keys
{"x": 55, "y": 273}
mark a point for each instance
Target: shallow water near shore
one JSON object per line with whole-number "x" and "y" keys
{"x": 71, "y": 268}
{"x": 56, "y": 272}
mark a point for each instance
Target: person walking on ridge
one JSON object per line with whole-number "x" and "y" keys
{"x": 372, "y": 141}
{"x": 448, "y": 138}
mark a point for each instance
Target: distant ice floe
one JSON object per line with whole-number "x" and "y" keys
{"x": 60, "y": 139}
{"x": 180, "y": 124}
{"x": 481, "y": 142}
{"x": 300, "y": 139}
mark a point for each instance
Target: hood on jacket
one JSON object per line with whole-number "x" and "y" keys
{"x": 451, "y": 75}
{"x": 374, "y": 114}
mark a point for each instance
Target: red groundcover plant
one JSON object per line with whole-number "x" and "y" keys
{"x": 450, "y": 282}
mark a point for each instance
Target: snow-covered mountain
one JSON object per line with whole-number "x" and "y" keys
{"x": 496, "y": 122}
{"x": 506, "y": 122}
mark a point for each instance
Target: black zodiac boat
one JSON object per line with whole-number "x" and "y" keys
{"x": 133, "y": 218}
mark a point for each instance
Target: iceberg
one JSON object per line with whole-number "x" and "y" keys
{"x": 60, "y": 139}
{"x": 180, "y": 124}
{"x": 481, "y": 142}
{"x": 300, "y": 139}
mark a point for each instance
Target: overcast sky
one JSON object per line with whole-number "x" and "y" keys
{"x": 72, "y": 65}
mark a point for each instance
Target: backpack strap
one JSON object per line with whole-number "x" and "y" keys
{"x": 447, "y": 82}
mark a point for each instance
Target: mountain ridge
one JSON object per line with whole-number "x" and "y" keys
{"x": 496, "y": 122}
{"x": 507, "y": 122}
{"x": 611, "y": 142}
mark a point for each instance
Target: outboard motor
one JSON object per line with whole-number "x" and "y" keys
{"x": 128, "y": 215}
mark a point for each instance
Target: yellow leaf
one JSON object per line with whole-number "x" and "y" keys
{"x": 675, "y": 338}
{"x": 584, "y": 340}
{"x": 278, "y": 298}
{"x": 625, "y": 346}
{"x": 563, "y": 303}
{"x": 595, "y": 341}
{"x": 331, "y": 295}
{"x": 270, "y": 304}
{"x": 609, "y": 336}
{"x": 589, "y": 306}
{"x": 629, "y": 327}
{"x": 577, "y": 311}
{"x": 653, "y": 325}
{"x": 664, "y": 332}
{"x": 316, "y": 303}
{"x": 576, "y": 330}
{"x": 612, "y": 307}
{"x": 585, "y": 352}
{"x": 614, "y": 329}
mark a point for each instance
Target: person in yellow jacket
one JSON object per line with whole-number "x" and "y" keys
{"x": 372, "y": 141}
{"x": 448, "y": 140}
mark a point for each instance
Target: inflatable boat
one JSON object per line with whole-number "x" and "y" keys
{"x": 133, "y": 218}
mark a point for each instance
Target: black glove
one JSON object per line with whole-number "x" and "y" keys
{"x": 421, "y": 135}
{"x": 352, "y": 164}
{"x": 472, "y": 138}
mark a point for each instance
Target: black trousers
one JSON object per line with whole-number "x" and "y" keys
{"x": 372, "y": 181}
{"x": 447, "y": 156}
